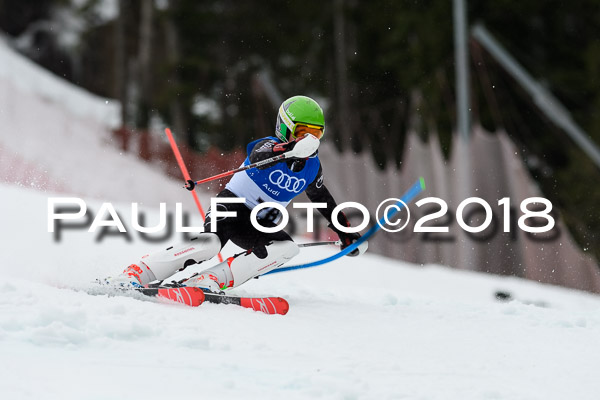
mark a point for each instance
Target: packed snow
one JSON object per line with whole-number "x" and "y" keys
{"x": 366, "y": 327}
{"x": 358, "y": 328}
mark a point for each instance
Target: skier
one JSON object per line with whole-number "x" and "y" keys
{"x": 300, "y": 126}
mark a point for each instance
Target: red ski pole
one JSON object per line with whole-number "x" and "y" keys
{"x": 190, "y": 184}
{"x": 186, "y": 175}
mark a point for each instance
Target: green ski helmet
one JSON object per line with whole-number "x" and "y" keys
{"x": 299, "y": 111}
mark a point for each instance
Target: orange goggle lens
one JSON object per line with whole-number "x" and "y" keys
{"x": 303, "y": 129}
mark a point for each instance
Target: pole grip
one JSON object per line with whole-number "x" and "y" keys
{"x": 190, "y": 185}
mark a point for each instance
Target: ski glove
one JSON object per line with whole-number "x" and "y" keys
{"x": 348, "y": 238}
{"x": 302, "y": 147}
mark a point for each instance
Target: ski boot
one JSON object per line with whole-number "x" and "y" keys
{"x": 130, "y": 278}
{"x": 242, "y": 267}
{"x": 205, "y": 281}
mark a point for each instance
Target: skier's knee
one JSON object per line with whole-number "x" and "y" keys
{"x": 288, "y": 248}
{"x": 250, "y": 265}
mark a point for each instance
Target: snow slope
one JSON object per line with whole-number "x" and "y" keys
{"x": 365, "y": 327}
{"x": 56, "y": 136}
{"x": 359, "y": 328}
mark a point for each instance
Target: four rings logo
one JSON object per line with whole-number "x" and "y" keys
{"x": 287, "y": 182}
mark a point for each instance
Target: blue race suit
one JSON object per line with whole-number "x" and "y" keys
{"x": 277, "y": 183}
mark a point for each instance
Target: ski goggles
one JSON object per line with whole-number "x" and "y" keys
{"x": 301, "y": 129}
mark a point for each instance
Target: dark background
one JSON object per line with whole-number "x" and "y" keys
{"x": 380, "y": 68}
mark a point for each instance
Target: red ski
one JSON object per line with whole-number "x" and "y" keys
{"x": 192, "y": 296}
{"x": 267, "y": 305}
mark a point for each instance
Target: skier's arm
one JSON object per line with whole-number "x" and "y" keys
{"x": 268, "y": 148}
{"x": 262, "y": 151}
{"x": 317, "y": 192}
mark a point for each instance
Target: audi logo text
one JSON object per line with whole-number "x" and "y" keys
{"x": 286, "y": 182}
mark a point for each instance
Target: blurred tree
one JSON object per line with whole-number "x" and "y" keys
{"x": 31, "y": 22}
{"x": 558, "y": 42}
{"x": 18, "y": 16}
{"x": 225, "y": 44}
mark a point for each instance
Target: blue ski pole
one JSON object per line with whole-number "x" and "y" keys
{"x": 410, "y": 194}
